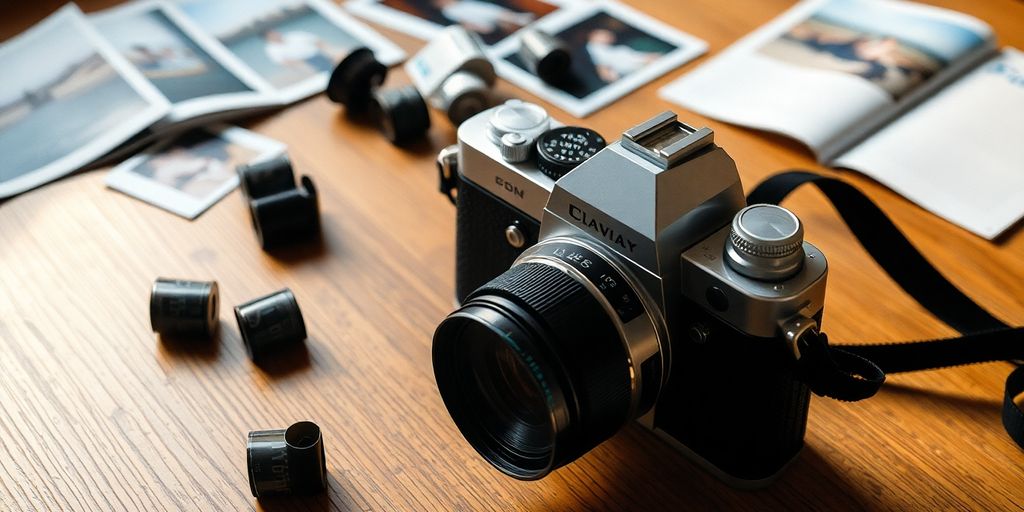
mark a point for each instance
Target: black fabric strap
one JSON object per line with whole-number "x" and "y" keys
{"x": 1013, "y": 416}
{"x": 836, "y": 373}
{"x": 855, "y": 372}
{"x": 888, "y": 246}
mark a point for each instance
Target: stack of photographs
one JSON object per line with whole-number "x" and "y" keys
{"x": 614, "y": 49}
{"x": 90, "y": 89}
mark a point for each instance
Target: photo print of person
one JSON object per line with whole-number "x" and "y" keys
{"x": 492, "y": 20}
{"x": 292, "y": 44}
{"x": 614, "y": 50}
{"x": 604, "y": 49}
{"x": 195, "y": 164}
{"x": 188, "y": 174}
{"x": 842, "y": 37}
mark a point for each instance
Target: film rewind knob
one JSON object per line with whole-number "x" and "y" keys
{"x": 765, "y": 243}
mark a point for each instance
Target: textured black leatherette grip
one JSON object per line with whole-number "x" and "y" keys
{"x": 735, "y": 400}
{"x": 481, "y": 250}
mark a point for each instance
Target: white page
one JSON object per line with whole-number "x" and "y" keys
{"x": 806, "y": 75}
{"x": 960, "y": 154}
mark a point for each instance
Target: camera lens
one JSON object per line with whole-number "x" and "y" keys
{"x": 534, "y": 371}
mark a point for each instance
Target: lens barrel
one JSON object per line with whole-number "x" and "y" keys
{"x": 533, "y": 370}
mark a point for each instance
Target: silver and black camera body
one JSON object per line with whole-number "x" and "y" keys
{"x": 652, "y": 293}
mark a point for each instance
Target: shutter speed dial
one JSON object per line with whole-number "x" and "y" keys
{"x": 766, "y": 243}
{"x": 563, "y": 149}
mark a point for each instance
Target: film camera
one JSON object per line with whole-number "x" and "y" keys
{"x": 637, "y": 286}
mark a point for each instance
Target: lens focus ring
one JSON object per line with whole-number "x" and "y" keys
{"x": 578, "y": 366}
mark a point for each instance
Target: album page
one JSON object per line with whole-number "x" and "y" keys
{"x": 830, "y": 72}
{"x": 961, "y": 153}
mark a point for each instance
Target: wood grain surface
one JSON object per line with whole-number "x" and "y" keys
{"x": 99, "y": 414}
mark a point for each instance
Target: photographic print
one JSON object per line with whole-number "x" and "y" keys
{"x": 614, "y": 50}
{"x": 189, "y": 174}
{"x": 193, "y": 71}
{"x": 70, "y": 99}
{"x": 492, "y": 20}
{"x": 846, "y": 36}
{"x": 292, "y": 44}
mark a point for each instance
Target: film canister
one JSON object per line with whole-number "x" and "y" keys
{"x": 286, "y": 461}
{"x": 400, "y": 114}
{"x": 355, "y": 78}
{"x": 185, "y": 308}
{"x": 281, "y": 212}
{"x": 288, "y": 216}
{"x": 547, "y": 56}
{"x": 268, "y": 177}
{"x": 270, "y": 324}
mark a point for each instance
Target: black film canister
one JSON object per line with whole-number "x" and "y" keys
{"x": 268, "y": 177}
{"x": 354, "y": 78}
{"x": 286, "y": 217}
{"x": 186, "y": 308}
{"x": 401, "y": 114}
{"x": 286, "y": 461}
{"x": 270, "y": 324}
{"x": 547, "y": 56}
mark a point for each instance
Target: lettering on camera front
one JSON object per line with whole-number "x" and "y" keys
{"x": 509, "y": 187}
{"x": 606, "y": 231}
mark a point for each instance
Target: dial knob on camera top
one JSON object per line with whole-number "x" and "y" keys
{"x": 766, "y": 243}
{"x": 516, "y": 116}
{"x": 562, "y": 149}
{"x": 514, "y": 147}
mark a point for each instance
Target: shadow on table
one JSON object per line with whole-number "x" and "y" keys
{"x": 991, "y": 406}
{"x": 649, "y": 475}
{"x": 335, "y": 498}
{"x": 308, "y": 250}
{"x": 286, "y": 363}
{"x": 204, "y": 350}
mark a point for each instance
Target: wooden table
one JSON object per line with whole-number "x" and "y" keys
{"x": 98, "y": 414}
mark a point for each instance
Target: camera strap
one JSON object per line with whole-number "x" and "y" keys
{"x": 856, "y": 372}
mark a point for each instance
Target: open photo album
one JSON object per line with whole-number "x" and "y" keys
{"x": 103, "y": 86}
{"x": 916, "y": 97}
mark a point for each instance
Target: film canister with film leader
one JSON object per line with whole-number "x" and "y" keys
{"x": 282, "y": 213}
{"x": 286, "y": 461}
{"x": 183, "y": 308}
